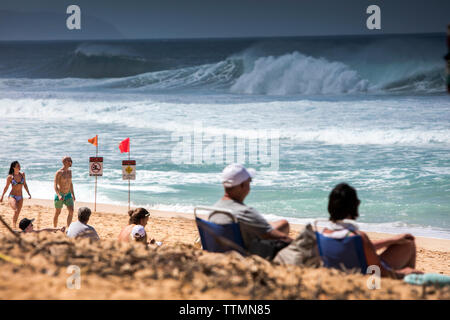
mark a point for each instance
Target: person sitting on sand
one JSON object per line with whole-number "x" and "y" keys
{"x": 139, "y": 217}
{"x": 138, "y": 234}
{"x": 15, "y": 199}
{"x": 26, "y": 225}
{"x": 399, "y": 257}
{"x": 80, "y": 228}
{"x": 259, "y": 236}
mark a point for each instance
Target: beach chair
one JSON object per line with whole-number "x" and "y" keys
{"x": 344, "y": 254}
{"x": 219, "y": 238}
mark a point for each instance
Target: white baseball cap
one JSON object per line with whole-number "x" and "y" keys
{"x": 234, "y": 174}
{"x": 138, "y": 231}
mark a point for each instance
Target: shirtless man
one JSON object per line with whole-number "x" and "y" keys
{"x": 64, "y": 191}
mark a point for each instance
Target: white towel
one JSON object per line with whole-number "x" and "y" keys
{"x": 340, "y": 229}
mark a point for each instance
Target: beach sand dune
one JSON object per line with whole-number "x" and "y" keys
{"x": 179, "y": 269}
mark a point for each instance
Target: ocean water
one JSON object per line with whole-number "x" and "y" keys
{"x": 372, "y": 112}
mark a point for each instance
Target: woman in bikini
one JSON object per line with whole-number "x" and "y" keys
{"x": 17, "y": 180}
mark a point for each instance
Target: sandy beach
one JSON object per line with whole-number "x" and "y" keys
{"x": 179, "y": 268}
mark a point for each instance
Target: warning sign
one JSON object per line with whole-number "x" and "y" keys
{"x": 96, "y": 166}
{"x": 129, "y": 170}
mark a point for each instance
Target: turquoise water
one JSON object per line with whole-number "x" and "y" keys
{"x": 388, "y": 138}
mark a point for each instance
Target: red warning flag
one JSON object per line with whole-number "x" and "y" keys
{"x": 124, "y": 146}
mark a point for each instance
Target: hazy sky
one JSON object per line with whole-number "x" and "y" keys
{"x": 29, "y": 19}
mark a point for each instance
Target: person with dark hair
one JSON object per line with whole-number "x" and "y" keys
{"x": 399, "y": 256}
{"x": 80, "y": 228}
{"x": 343, "y": 203}
{"x": 138, "y": 217}
{"x": 15, "y": 199}
{"x": 26, "y": 225}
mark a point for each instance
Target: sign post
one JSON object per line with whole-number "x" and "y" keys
{"x": 95, "y": 169}
{"x": 129, "y": 173}
{"x": 128, "y": 166}
{"x": 95, "y": 166}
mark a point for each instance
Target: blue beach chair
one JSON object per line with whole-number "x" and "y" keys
{"x": 219, "y": 238}
{"x": 344, "y": 254}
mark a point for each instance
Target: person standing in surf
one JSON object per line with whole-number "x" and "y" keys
{"x": 64, "y": 191}
{"x": 15, "y": 199}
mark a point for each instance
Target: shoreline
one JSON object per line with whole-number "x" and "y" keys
{"x": 369, "y": 227}
{"x": 429, "y": 243}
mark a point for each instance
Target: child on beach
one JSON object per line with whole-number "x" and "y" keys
{"x": 138, "y": 216}
{"x": 135, "y": 230}
{"x": 138, "y": 234}
{"x": 15, "y": 199}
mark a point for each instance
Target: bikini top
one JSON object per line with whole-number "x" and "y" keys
{"x": 14, "y": 182}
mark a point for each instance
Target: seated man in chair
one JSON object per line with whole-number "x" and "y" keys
{"x": 260, "y": 237}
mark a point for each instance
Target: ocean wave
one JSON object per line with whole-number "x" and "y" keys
{"x": 425, "y": 81}
{"x": 297, "y": 73}
{"x": 343, "y": 136}
{"x": 147, "y": 115}
{"x": 218, "y": 75}
{"x": 101, "y": 61}
{"x": 308, "y": 68}
{"x": 292, "y": 73}
{"x": 105, "y": 50}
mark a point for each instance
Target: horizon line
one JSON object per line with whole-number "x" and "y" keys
{"x": 235, "y": 37}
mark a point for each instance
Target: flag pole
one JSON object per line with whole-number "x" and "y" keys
{"x": 129, "y": 157}
{"x": 95, "y": 199}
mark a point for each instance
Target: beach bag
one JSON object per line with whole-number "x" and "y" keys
{"x": 302, "y": 251}
{"x": 267, "y": 248}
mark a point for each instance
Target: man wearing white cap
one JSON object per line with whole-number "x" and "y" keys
{"x": 260, "y": 237}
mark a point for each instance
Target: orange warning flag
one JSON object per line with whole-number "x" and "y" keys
{"x": 94, "y": 141}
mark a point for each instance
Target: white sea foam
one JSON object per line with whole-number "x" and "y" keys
{"x": 105, "y": 50}
{"x": 396, "y": 227}
{"x": 311, "y": 128}
{"x": 151, "y": 189}
{"x": 296, "y": 73}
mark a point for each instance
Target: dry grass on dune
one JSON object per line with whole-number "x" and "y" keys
{"x": 113, "y": 270}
